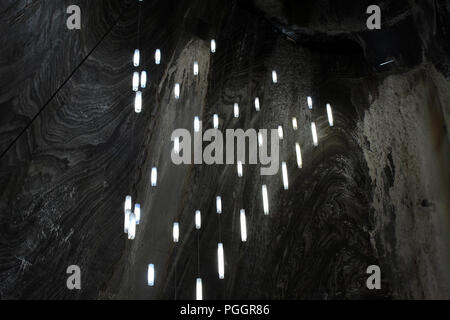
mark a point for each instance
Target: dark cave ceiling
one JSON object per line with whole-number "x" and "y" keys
{"x": 375, "y": 190}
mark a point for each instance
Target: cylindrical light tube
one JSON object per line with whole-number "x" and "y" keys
{"x": 285, "y": 175}
{"x": 265, "y": 200}
{"x": 157, "y": 56}
{"x": 151, "y": 275}
{"x": 198, "y": 219}
{"x": 220, "y": 261}
{"x": 176, "y": 232}
{"x": 219, "y": 204}
{"x": 314, "y": 134}
{"x": 243, "y": 226}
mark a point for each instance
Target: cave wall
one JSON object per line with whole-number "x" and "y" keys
{"x": 375, "y": 190}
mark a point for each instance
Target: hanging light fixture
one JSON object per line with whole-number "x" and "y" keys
{"x": 330, "y": 115}
{"x": 154, "y": 177}
{"x": 257, "y": 105}
{"x": 236, "y": 110}
{"x": 195, "y": 68}
{"x": 143, "y": 79}
{"x": 176, "y": 145}
{"x": 285, "y": 175}
{"x": 243, "y": 226}
{"x": 310, "y": 102}
{"x": 151, "y": 275}
{"x": 196, "y": 124}
{"x": 219, "y": 204}
{"x": 314, "y": 134}
{"x": 176, "y": 91}
{"x": 176, "y": 232}
{"x": 260, "y": 139}
{"x": 213, "y": 46}
{"x": 199, "y": 289}
{"x": 157, "y": 56}
{"x": 265, "y": 200}
{"x": 216, "y": 121}
{"x": 198, "y": 219}
{"x": 298, "y": 153}
{"x": 274, "y": 77}
{"x": 136, "y": 58}
{"x": 280, "y": 132}
{"x": 239, "y": 169}
{"x": 128, "y": 202}
{"x": 138, "y": 102}
{"x": 135, "y": 81}
{"x": 127, "y": 210}
{"x": 132, "y": 226}
{"x": 137, "y": 213}
{"x": 220, "y": 261}
{"x": 294, "y": 123}
{"x": 127, "y": 221}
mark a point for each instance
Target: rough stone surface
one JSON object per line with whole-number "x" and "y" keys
{"x": 375, "y": 190}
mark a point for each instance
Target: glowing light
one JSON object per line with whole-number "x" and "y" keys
{"x": 138, "y": 102}
{"x": 219, "y": 204}
{"x": 236, "y": 110}
{"x": 151, "y": 275}
{"x": 176, "y": 232}
{"x": 330, "y": 115}
{"x": 195, "y": 68}
{"x": 127, "y": 210}
{"x": 265, "y": 200}
{"x": 137, "y": 212}
{"x": 298, "y": 153}
{"x": 314, "y": 134}
{"x": 274, "y": 76}
{"x": 239, "y": 169}
{"x": 213, "y": 46}
{"x": 199, "y": 289}
{"x": 135, "y": 81}
{"x": 280, "y": 132}
{"x": 128, "y": 201}
{"x": 260, "y": 139}
{"x": 127, "y": 221}
{"x": 196, "y": 124}
{"x": 386, "y": 62}
{"x": 131, "y": 226}
{"x": 294, "y": 123}
{"x": 257, "y": 105}
{"x": 243, "y": 226}
{"x": 154, "y": 176}
{"x": 310, "y": 102}
{"x": 143, "y": 79}
{"x": 176, "y": 91}
{"x": 220, "y": 261}
{"x": 176, "y": 145}
{"x": 136, "y": 57}
{"x": 158, "y": 56}
{"x": 285, "y": 175}
{"x": 216, "y": 121}
{"x": 198, "y": 220}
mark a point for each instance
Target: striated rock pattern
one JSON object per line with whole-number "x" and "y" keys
{"x": 375, "y": 190}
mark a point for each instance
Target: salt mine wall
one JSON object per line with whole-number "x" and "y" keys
{"x": 375, "y": 191}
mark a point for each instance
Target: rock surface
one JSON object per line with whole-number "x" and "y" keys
{"x": 375, "y": 190}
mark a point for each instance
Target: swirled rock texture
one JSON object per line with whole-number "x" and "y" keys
{"x": 375, "y": 191}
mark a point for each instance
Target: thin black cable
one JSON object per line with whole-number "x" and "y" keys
{"x": 198, "y": 252}
{"x": 175, "y": 282}
{"x": 134, "y": 142}
{"x": 139, "y": 25}
{"x": 59, "y": 88}
{"x": 220, "y": 232}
